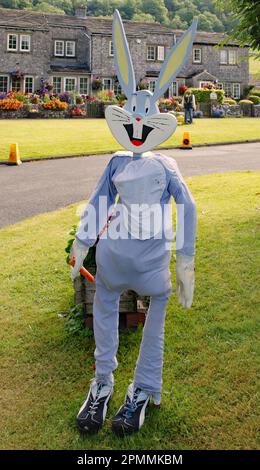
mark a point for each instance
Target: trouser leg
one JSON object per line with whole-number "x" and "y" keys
{"x": 148, "y": 371}
{"x": 105, "y": 320}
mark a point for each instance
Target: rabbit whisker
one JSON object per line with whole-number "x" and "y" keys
{"x": 157, "y": 124}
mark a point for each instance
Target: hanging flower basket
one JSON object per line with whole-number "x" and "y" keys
{"x": 17, "y": 74}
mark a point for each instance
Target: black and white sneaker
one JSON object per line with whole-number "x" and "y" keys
{"x": 130, "y": 416}
{"x": 92, "y": 414}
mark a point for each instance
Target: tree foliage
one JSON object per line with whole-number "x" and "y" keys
{"x": 177, "y": 14}
{"x": 247, "y": 26}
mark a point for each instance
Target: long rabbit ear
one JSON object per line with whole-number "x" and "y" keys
{"x": 175, "y": 60}
{"x": 122, "y": 57}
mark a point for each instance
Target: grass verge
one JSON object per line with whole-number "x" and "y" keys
{"x": 212, "y": 352}
{"x": 55, "y": 137}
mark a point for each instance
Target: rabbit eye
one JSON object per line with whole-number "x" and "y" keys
{"x": 147, "y": 106}
{"x": 134, "y": 108}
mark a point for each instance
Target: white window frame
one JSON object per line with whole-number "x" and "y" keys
{"x": 110, "y": 81}
{"x": 74, "y": 48}
{"x": 17, "y": 41}
{"x": 228, "y": 85}
{"x": 24, "y": 82}
{"x": 149, "y": 47}
{"x": 8, "y": 82}
{"x": 152, "y": 88}
{"x": 55, "y": 48}
{"x": 160, "y": 53}
{"x": 176, "y": 85}
{"x": 220, "y": 86}
{"x": 61, "y": 84}
{"x": 21, "y": 42}
{"x": 195, "y": 60}
{"x": 232, "y": 52}
{"x": 21, "y": 84}
{"x": 111, "y": 49}
{"x": 84, "y": 93}
{"x": 70, "y": 78}
{"x": 238, "y": 95}
{"x": 222, "y": 60}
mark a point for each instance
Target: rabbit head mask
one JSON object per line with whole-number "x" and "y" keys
{"x": 139, "y": 126}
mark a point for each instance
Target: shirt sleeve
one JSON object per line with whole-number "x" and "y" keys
{"x": 98, "y": 208}
{"x": 186, "y": 210}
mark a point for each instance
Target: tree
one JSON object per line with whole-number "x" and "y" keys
{"x": 47, "y": 8}
{"x": 247, "y": 28}
{"x": 156, "y": 8}
{"x": 146, "y": 17}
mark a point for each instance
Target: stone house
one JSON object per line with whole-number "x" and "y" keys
{"x": 72, "y": 51}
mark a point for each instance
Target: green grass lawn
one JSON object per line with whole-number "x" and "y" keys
{"x": 50, "y": 137}
{"x": 212, "y": 351}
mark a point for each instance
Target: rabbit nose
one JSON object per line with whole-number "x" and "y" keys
{"x": 138, "y": 119}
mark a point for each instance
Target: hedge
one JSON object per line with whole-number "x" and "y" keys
{"x": 203, "y": 96}
{"x": 255, "y": 99}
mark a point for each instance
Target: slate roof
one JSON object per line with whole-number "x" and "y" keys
{"x": 95, "y": 25}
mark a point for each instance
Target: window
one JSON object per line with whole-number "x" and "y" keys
{"x": 111, "y": 49}
{"x": 160, "y": 53}
{"x": 28, "y": 84}
{"x": 175, "y": 89}
{"x": 117, "y": 89}
{"x": 25, "y": 43}
{"x": 152, "y": 84}
{"x": 16, "y": 84}
{"x": 59, "y": 48}
{"x": 70, "y": 48}
{"x": 56, "y": 81}
{"x": 151, "y": 55}
{"x": 70, "y": 84}
{"x": 228, "y": 89}
{"x": 107, "y": 83}
{"x": 3, "y": 83}
{"x": 83, "y": 85}
{"x": 236, "y": 91}
{"x": 232, "y": 57}
{"x": 223, "y": 57}
{"x": 197, "y": 56}
{"x": 12, "y": 42}
{"x": 206, "y": 84}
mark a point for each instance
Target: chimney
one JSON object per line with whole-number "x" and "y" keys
{"x": 81, "y": 11}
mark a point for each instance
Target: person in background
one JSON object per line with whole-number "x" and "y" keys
{"x": 189, "y": 105}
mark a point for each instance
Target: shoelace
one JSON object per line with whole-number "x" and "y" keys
{"x": 131, "y": 406}
{"x": 95, "y": 403}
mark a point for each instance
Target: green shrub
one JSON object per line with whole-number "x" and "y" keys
{"x": 255, "y": 99}
{"x": 203, "y": 96}
{"x": 229, "y": 101}
{"x": 255, "y": 93}
{"x": 245, "y": 102}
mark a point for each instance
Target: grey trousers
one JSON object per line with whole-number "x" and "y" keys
{"x": 148, "y": 370}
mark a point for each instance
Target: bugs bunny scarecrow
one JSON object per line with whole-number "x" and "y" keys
{"x": 139, "y": 258}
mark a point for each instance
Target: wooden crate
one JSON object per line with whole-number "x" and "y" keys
{"x": 132, "y": 307}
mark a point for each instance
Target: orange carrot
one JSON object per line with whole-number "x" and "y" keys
{"x": 83, "y": 271}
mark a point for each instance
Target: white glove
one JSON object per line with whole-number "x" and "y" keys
{"x": 185, "y": 280}
{"x": 78, "y": 251}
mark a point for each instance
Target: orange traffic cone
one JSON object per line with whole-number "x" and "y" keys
{"x": 186, "y": 142}
{"x": 14, "y": 155}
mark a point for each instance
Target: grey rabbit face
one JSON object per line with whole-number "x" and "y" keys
{"x": 139, "y": 126}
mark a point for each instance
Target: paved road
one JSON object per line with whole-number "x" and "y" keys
{"x": 43, "y": 186}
